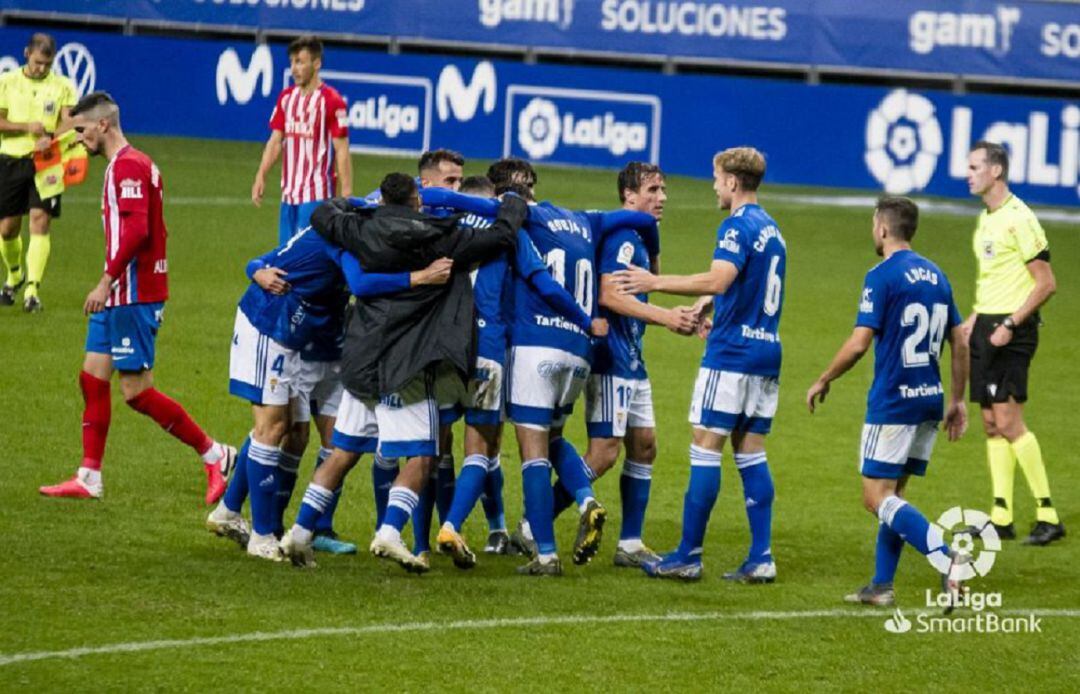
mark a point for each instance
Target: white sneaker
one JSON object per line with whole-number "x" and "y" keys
{"x": 301, "y": 554}
{"x": 264, "y": 547}
{"x": 397, "y": 551}
{"x": 225, "y": 523}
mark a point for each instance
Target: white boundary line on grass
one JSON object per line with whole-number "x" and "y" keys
{"x": 466, "y": 625}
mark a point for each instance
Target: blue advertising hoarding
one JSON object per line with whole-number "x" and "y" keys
{"x": 900, "y": 140}
{"x": 1027, "y": 39}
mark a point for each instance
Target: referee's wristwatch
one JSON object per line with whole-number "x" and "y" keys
{"x": 1009, "y": 323}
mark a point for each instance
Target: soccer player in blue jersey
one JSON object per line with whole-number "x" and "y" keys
{"x": 549, "y": 338}
{"x": 735, "y": 395}
{"x": 618, "y": 395}
{"x": 297, "y": 294}
{"x": 907, "y": 305}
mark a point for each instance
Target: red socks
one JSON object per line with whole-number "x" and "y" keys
{"x": 95, "y": 421}
{"x": 171, "y": 417}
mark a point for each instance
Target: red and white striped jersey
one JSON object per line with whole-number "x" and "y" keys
{"x": 309, "y": 123}
{"x": 134, "y": 230}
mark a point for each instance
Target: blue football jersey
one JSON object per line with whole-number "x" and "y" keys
{"x": 559, "y": 242}
{"x": 620, "y": 353}
{"x": 314, "y": 308}
{"x": 908, "y": 303}
{"x": 745, "y": 337}
{"x": 492, "y": 290}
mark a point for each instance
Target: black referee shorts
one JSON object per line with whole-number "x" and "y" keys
{"x": 1000, "y": 373}
{"x": 18, "y": 194}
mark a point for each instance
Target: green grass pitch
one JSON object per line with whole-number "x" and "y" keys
{"x": 138, "y": 566}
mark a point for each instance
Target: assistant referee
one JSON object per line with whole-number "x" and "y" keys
{"x": 1014, "y": 281}
{"x": 35, "y": 105}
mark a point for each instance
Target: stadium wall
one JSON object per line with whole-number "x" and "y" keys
{"x": 904, "y": 141}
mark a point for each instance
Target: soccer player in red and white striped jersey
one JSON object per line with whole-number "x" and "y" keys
{"x": 126, "y": 307}
{"x": 310, "y": 127}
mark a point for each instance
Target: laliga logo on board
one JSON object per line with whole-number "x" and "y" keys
{"x": 240, "y": 82}
{"x": 903, "y": 142}
{"x": 453, "y": 96}
{"x": 542, "y": 128}
{"x": 379, "y": 113}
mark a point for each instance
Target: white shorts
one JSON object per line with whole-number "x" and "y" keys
{"x": 726, "y": 401}
{"x": 261, "y": 370}
{"x": 614, "y": 404}
{"x": 544, "y": 383}
{"x": 403, "y": 424}
{"x": 317, "y": 391}
{"x": 484, "y": 401}
{"x": 893, "y": 450}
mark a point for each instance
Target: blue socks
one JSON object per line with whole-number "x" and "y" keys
{"x": 401, "y": 502}
{"x": 887, "y": 555}
{"x": 421, "y": 516}
{"x": 493, "y": 496}
{"x": 317, "y": 500}
{"x": 536, "y": 490}
{"x": 758, "y": 493}
{"x": 288, "y": 468}
{"x": 912, "y": 526}
{"x": 262, "y": 486}
{"x": 237, "y": 491}
{"x": 470, "y": 485}
{"x": 383, "y": 474}
{"x": 325, "y": 524}
{"x": 444, "y": 486}
{"x": 634, "y": 485}
{"x": 573, "y": 473}
{"x": 700, "y": 497}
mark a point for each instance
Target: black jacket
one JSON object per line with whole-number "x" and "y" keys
{"x": 390, "y": 339}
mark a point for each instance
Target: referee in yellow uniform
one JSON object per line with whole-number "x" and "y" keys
{"x": 1014, "y": 281}
{"x": 35, "y": 104}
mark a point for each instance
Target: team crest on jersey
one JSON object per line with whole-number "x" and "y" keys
{"x": 49, "y": 107}
{"x": 131, "y": 189}
{"x": 626, "y": 253}
{"x": 988, "y": 249}
{"x": 867, "y": 303}
{"x": 730, "y": 242}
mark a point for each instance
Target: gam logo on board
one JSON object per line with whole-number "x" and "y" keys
{"x": 584, "y": 127}
{"x": 386, "y": 113}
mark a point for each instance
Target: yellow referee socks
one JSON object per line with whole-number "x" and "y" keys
{"x": 11, "y": 249}
{"x": 999, "y": 453}
{"x": 1029, "y": 455}
{"x": 37, "y": 255}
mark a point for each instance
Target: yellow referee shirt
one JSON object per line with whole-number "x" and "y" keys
{"x": 28, "y": 100}
{"x": 1006, "y": 240}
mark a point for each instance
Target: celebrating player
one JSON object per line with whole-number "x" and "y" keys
{"x": 310, "y": 126}
{"x": 35, "y": 106}
{"x": 618, "y": 396}
{"x": 1014, "y": 281}
{"x": 126, "y": 307}
{"x": 736, "y": 390}
{"x": 907, "y": 304}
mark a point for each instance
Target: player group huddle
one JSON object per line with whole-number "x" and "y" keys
{"x": 386, "y": 319}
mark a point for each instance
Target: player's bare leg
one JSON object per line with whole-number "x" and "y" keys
{"x": 37, "y": 257}
{"x": 11, "y": 248}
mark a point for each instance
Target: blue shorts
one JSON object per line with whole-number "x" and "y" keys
{"x": 294, "y": 218}
{"x": 127, "y": 334}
